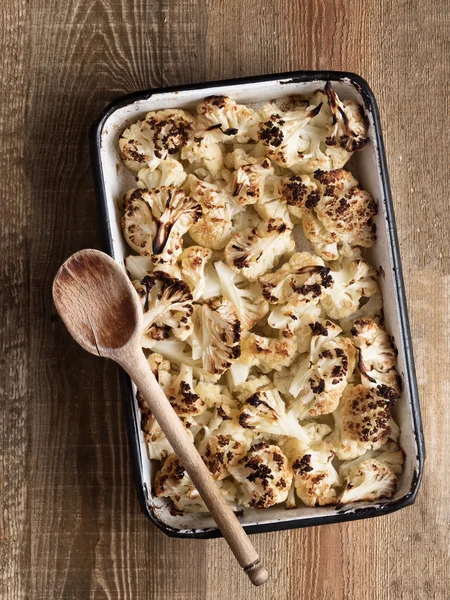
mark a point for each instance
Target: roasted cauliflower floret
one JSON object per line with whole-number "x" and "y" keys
{"x": 265, "y": 413}
{"x": 349, "y": 123}
{"x": 389, "y": 454}
{"x": 252, "y": 385}
{"x": 362, "y": 422}
{"x": 228, "y": 120}
{"x": 172, "y": 481}
{"x": 302, "y": 280}
{"x": 352, "y": 281}
{"x": 193, "y": 262}
{"x": 370, "y": 480}
{"x": 154, "y": 221}
{"x": 315, "y": 478}
{"x": 299, "y": 192}
{"x": 253, "y": 252}
{"x": 247, "y": 186}
{"x": 245, "y": 297}
{"x": 220, "y": 452}
{"x": 272, "y": 205}
{"x": 267, "y": 353}
{"x": 291, "y": 138}
{"x": 342, "y": 219}
{"x": 181, "y": 395}
{"x": 295, "y": 322}
{"x": 263, "y": 476}
{"x": 138, "y": 266}
{"x": 203, "y": 149}
{"x": 216, "y": 335}
{"x": 377, "y": 349}
{"x": 372, "y": 309}
{"x": 169, "y": 172}
{"x": 167, "y": 306}
{"x": 322, "y": 376}
{"x": 161, "y": 369}
{"x": 161, "y": 134}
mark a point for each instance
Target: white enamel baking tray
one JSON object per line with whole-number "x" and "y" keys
{"x": 112, "y": 179}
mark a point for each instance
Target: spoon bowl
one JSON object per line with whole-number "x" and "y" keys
{"x": 97, "y": 302}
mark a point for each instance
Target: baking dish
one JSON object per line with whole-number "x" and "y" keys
{"x": 112, "y": 179}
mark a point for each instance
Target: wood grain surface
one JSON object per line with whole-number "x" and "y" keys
{"x": 70, "y": 524}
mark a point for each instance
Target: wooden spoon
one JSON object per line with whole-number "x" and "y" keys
{"x": 102, "y": 311}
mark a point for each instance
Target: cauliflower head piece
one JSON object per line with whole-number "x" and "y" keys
{"x": 172, "y": 481}
{"x": 202, "y": 281}
{"x": 315, "y": 478}
{"x": 267, "y": 353}
{"x": 167, "y": 307}
{"x": 169, "y": 172}
{"x": 154, "y": 221}
{"x": 182, "y": 396}
{"x": 302, "y": 280}
{"x": 228, "y": 120}
{"x": 296, "y": 139}
{"x": 349, "y": 123}
{"x": 253, "y": 252}
{"x": 294, "y": 322}
{"x": 368, "y": 481}
{"x": 342, "y": 219}
{"x": 322, "y": 376}
{"x": 246, "y": 297}
{"x": 263, "y": 476}
{"x": 299, "y": 193}
{"x": 216, "y": 335}
{"x": 220, "y": 452}
{"x": 363, "y": 421}
{"x": 352, "y": 281}
{"x": 247, "y": 185}
{"x": 161, "y": 134}
{"x": 265, "y": 413}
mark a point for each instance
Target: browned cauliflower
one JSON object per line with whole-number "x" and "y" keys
{"x": 198, "y": 272}
{"x": 352, "y": 281}
{"x": 263, "y": 476}
{"x": 296, "y": 139}
{"x": 227, "y": 119}
{"x": 247, "y": 186}
{"x": 299, "y": 193}
{"x": 220, "y": 452}
{"x": 169, "y": 172}
{"x": 161, "y": 134}
{"x": 167, "y": 306}
{"x": 267, "y": 353}
{"x": 349, "y": 123}
{"x": 342, "y": 218}
{"x": 180, "y": 392}
{"x": 155, "y": 220}
{"x": 216, "y": 335}
{"x": 172, "y": 481}
{"x": 245, "y": 296}
{"x": 322, "y": 376}
{"x": 253, "y": 252}
{"x": 302, "y": 280}
{"x": 315, "y": 478}
{"x": 265, "y": 413}
{"x": 368, "y": 481}
{"x": 363, "y": 422}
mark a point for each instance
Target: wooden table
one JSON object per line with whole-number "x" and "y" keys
{"x": 70, "y": 524}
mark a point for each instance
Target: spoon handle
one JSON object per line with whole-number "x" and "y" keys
{"x": 139, "y": 370}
